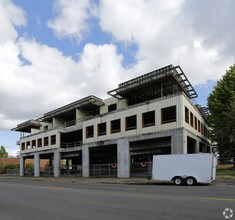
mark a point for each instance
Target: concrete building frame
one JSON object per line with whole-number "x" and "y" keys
{"x": 148, "y": 115}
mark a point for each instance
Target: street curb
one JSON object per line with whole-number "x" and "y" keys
{"x": 133, "y": 181}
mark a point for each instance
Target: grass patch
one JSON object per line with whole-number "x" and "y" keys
{"x": 225, "y": 172}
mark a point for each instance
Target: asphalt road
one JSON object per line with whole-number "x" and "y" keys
{"x": 27, "y": 199}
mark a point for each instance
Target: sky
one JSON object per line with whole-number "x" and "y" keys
{"x": 58, "y": 51}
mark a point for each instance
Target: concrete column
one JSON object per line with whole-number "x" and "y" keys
{"x": 123, "y": 158}
{"x": 67, "y": 166}
{"x": 57, "y": 163}
{"x": 36, "y": 143}
{"x": 179, "y": 142}
{"x": 50, "y": 166}
{"x": 22, "y": 165}
{"x": 85, "y": 161}
{"x": 58, "y": 138}
{"x": 80, "y": 114}
{"x": 197, "y": 146}
{"x": 36, "y": 165}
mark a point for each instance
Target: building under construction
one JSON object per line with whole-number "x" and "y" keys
{"x": 145, "y": 116}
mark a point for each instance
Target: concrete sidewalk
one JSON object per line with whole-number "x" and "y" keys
{"x": 75, "y": 179}
{"x": 72, "y": 179}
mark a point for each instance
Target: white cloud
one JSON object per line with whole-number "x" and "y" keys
{"x": 102, "y": 68}
{"x": 10, "y": 16}
{"x": 71, "y": 19}
{"x": 51, "y": 79}
{"x": 165, "y": 33}
{"x": 36, "y": 78}
{"x": 213, "y": 22}
{"x": 138, "y": 21}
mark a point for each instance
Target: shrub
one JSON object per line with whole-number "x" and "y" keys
{"x": 10, "y": 166}
{"x": 1, "y": 167}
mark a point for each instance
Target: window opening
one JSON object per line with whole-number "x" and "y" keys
{"x": 169, "y": 114}
{"x": 131, "y": 122}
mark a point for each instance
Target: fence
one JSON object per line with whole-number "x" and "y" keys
{"x": 226, "y": 162}
{"x": 74, "y": 170}
{"x": 103, "y": 170}
{"x": 13, "y": 171}
{"x": 143, "y": 169}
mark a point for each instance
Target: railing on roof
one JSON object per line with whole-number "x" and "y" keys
{"x": 146, "y": 77}
{"x": 203, "y": 110}
{"x": 169, "y": 70}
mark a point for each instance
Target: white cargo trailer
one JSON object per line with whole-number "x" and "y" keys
{"x": 185, "y": 168}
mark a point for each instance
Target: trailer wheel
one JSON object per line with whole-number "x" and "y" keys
{"x": 190, "y": 181}
{"x": 178, "y": 180}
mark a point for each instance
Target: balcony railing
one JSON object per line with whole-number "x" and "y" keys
{"x": 70, "y": 144}
{"x": 76, "y": 121}
{"x": 72, "y": 122}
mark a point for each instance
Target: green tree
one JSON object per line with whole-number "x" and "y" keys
{"x": 221, "y": 104}
{"x": 3, "y": 152}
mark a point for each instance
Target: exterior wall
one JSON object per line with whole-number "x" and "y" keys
{"x": 178, "y": 131}
{"x": 58, "y": 122}
{"x": 41, "y": 128}
{"x": 120, "y": 104}
{"x": 146, "y": 134}
{"x": 180, "y": 101}
{"x": 156, "y": 106}
{"x": 192, "y": 109}
{"x": 41, "y": 135}
{"x": 34, "y": 131}
{"x": 81, "y": 114}
{"x": 6, "y": 161}
{"x": 43, "y": 125}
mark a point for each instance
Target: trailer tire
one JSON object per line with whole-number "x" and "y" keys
{"x": 178, "y": 180}
{"x": 190, "y": 181}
